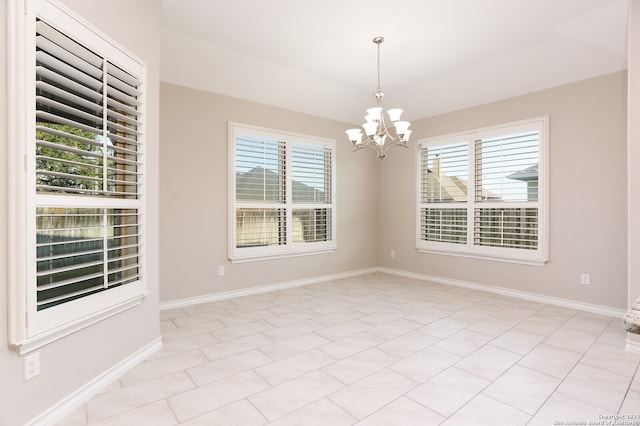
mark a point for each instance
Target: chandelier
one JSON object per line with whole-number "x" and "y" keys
{"x": 380, "y": 135}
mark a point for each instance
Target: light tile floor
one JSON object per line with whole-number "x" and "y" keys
{"x": 377, "y": 350}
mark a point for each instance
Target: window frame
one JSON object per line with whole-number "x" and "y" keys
{"x": 30, "y": 328}
{"x": 469, "y": 249}
{"x": 289, "y": 248}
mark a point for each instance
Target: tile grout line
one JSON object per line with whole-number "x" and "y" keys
{"x": 571, "y": 370}
{"x": 395, "y": 293}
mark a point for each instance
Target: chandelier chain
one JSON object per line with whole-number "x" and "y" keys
{"x": 379, "y": 86}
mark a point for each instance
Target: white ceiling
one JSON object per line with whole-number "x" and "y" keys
{"x": 439, "y": 55}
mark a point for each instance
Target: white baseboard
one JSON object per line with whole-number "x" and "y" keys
{"x": 550, "y": 300}
{"x": 567, "y": 303}
{"x": 86, "y": 392}
{"x": 92, "y": 388}
{"x": 215, "y": 297}
{"x": 632, "y": 344}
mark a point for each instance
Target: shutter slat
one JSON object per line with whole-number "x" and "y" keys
{"x": 126, "y": 279}
{"x": 68, "y": 255}
{"x": 70, "y": 268}
{"x": 43, "y": 158}
{"x": 123, "y": 97}
{"x": 68, "y": 109}
{"x": 123, "y": 87}
{"x": 68, "y": 96}
{"x": 122, "y": 140}
{"x": 68, "y": 175}
{"x": 68, "y": 71}
{"x": 61, "y": 40}
{"x": 121, "y": 117}
{"x": 60, "y": 120}
{"x": 69, "y": 58}
{"x": 68, "y": 83}
{"x": 69, "y": 281}
{"x": 65, "y": 148}
{"x": 65, "y": 135}
{"x": 123, "y": 267}
{"x": 126, "y": 173}
{"x": 114, "y": 105}
{"x": 71, "y": 295}
{"x": 124, "y": 76}
{"x": 122, "y": 128}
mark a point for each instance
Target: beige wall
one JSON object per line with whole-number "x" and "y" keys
{"x": 193, "y": 199}
{"x": 73, "y": 361}
{"x": 587, "y": 156}
{"x": 587, "y": 187}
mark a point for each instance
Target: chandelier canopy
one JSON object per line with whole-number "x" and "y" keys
{"x": 380, "y": 135}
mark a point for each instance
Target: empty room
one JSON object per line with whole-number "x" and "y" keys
{"x": 244, "y": 212}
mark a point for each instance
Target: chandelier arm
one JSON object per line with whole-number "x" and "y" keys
{"x": 387, "y": 147}
{"x": 369, "y": 144}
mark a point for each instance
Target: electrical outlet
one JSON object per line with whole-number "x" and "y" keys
{"x": 220, "y": 271}
{"x": 392, "y": 254}
{"x": 31, "y": 366}
{"x": 585, "y": 279}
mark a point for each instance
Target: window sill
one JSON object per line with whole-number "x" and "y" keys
{"x": 247, "y": 259}
{"x": 32, "y": 343}
{"x": 529, "y": 262}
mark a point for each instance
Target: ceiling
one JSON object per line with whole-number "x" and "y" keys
{"x": 318, "y": 57}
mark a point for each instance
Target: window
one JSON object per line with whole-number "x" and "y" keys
{"x": 282, "y": 193}
{"x": 82, "y": 191}
{"x": 483, "y": 193}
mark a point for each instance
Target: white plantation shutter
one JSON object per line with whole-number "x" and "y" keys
{"x": 260, "y": 164}
{"x": 260, "y": 227}
{"x": 311, "y": 191}
{"x": 506, "y": 172}
{"x": 260, "y": 192}
{"x": 312, "y": 225}
{"x": 87, "y": 120}
{"x": 483, "y": 193}
{"x": 504, "y": 165}
{"x": 444, "y": 170}
{"x": 311, "y": 173}
{"x": 70, "y": 254}
{"x": 443, "y": 225}
{"x": 81, "y": 99}
{"x": 443, "y": 193}
{"x": 282, "y": 188}
{"x": 506, "y": 227}
{"x": 82, "y": 251}
{"x": 87, "y": 145}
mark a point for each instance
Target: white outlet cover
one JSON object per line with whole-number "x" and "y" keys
{"x": 31, "y": 366}
{"x": 585, "y": 279}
